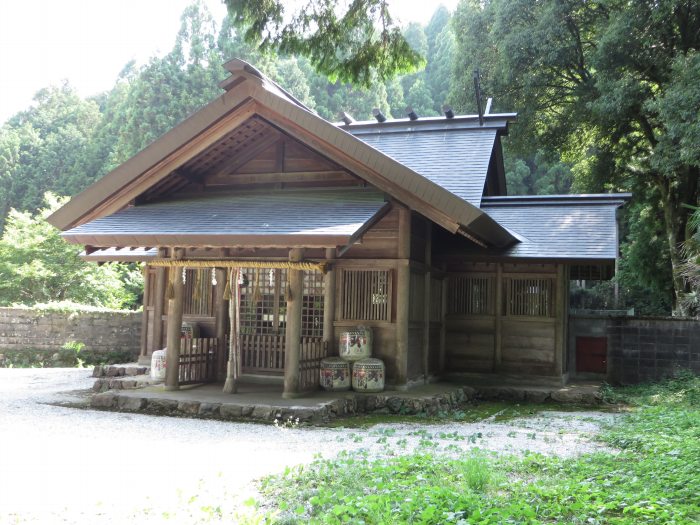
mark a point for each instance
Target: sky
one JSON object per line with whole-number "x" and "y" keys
{"x": 88, "y": 42}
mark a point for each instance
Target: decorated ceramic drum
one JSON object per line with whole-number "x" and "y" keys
{"x": 158, "y": 365}
{"x": 355, "y": 344}
{"x": 368, "y": 375}
{"x": 335, "y": 374}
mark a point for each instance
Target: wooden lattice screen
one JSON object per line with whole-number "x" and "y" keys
{"x": 531, "y": 297}
{"x": 198, "y": 298}
{"x": 263, "y": 301}
{"x": 365, "y": 295}
{"x": 312, "y": 305}
{"x": 470, "y": 295}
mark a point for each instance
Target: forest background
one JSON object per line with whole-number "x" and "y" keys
{"x": 608, "y": 96}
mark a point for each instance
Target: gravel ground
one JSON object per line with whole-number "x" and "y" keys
{"x": 66, "y": 465}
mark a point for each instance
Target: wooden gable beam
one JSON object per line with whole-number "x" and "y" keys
{"x": 252, "y": 152}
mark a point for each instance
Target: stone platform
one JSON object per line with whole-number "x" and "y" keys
{"x": 264, "y": 403}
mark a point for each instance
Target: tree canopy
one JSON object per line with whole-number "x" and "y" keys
{"x": 354, "y": 41}
{"x": 38, "y": 266}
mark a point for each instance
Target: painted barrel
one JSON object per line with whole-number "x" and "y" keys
{"x": 158, "y": 365}
{"x": 368, "y": 375}
{"x": 335, "y": 374}
{"x": 355, "y": 344}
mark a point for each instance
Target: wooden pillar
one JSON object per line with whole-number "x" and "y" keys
{"x": 158, "y": 304}
{"x": 143, "y": 355}
{"x": 403, "y": 290}
{"x": 559, "y": 321}
{"x": 292, "y": 350}
{"x": 175, "y": 305}
{"x": 427, "y": 292}
{"x": 443, "y": 322}
{"x": 498, "y": 314}
{"x": 329, "y": 304}
{"x": 220, "y": 310}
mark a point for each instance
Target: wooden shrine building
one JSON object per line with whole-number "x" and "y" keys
{"x": 271, "y": 231}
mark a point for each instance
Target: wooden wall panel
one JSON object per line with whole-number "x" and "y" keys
{"x": 415, "y": 351}
{"x": 470, "y": 344}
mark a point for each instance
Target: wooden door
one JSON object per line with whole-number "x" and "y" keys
{"x": 592, "y": 354}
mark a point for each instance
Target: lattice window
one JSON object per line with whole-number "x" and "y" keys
{"x": 263, "y": 301}
{"x": 312, "y": 305}
{"x": 470, "y": 295}
{"x": 366, "y": 295}
{"x": 529, "y": 297}
{"x": 198, "y": 297}
{"x": 435, "y": 300}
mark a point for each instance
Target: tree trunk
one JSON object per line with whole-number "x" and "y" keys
{"x": 676, "y": 215}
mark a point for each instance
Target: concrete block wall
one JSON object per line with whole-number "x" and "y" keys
{"x": 642, "y": 349}
{"x": 23, "y": 328}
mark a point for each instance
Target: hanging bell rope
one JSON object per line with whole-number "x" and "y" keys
{"x": 233, "y": 263}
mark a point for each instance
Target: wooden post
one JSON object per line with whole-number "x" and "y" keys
{"x": 158, "y": 304}
{"x": 559, "y": 321}
{"x": 172, "y": 357}
{"x": 427, "y": 292}
{"x": 220, "y": 309}
{"x": 443, "y": 323}
{"x": 329, "y": 304}
{"x": 403, "y": 290}
{"x": 143, "y": 355}
{"x": 498, "y": 313}
{"x": 293, "y": 330}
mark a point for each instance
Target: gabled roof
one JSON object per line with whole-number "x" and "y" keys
{"x": 325, "y": 218}
{"x": 453, "y": 153}
{"x": 250, "y": 93}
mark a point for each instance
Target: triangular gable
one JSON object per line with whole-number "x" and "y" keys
{"x": 249, "y": 93}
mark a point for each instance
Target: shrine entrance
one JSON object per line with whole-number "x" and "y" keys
{"x": 263, "y": 321}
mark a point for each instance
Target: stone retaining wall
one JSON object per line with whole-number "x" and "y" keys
{"x": 641, "y": 349}
{"x": 26, "y": 328}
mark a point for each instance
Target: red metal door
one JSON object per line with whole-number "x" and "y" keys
{"x": 592, "y": 354}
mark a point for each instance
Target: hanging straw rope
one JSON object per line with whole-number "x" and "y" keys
{"x": 233, "y": 367}
{"x": 239, "y": 263}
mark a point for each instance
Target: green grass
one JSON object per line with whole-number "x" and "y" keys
{"x": 653, "y": 479}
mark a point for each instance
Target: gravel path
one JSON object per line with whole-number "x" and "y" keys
{"x": 65, "y": 465}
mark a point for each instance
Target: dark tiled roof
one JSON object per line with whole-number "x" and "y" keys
{"x": 289, "y": 213}
{"x": 455, "y": 158}
{"x": 559, "y": 227}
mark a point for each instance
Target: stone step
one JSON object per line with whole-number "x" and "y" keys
{"x": 128, "y": 369}
{"x": 102, "y": 384}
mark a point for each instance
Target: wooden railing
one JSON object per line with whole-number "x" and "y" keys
{"x": 197, "y": 363}
{"x": 262, "y": 353}
{"x": 313, "y": 349}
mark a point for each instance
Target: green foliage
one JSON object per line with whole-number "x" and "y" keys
{"x": 38, "y": 266}
{"x": 651, "y": 479}
{"x": 71, "y": 355}
{"x": 612, "y": 86}
{"x": 352, "y": 43}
